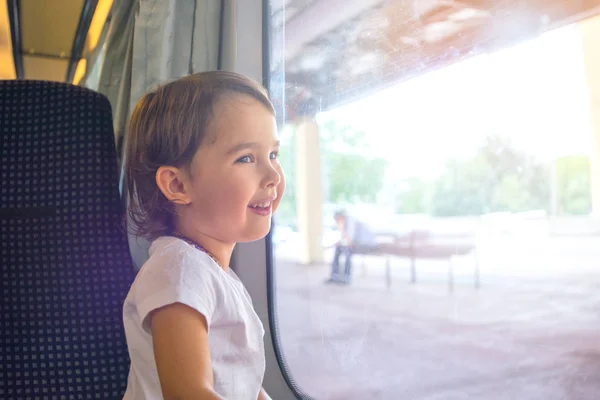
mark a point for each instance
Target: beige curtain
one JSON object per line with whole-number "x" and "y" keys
{"x": 115, "y": 74}
{"x": 147, "y": 43}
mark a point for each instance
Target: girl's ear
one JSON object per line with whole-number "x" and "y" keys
{"x": 172, "y": 182}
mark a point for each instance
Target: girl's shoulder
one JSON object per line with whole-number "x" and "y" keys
{"x": 175, "y": 273}
{"x": 177, "y": 251}
{"x": 172, "y": 260}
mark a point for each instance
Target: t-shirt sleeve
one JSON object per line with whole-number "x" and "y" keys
{"x": 177, "y": 275}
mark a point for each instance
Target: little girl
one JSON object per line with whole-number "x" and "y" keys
{"x": 203, "y": 174}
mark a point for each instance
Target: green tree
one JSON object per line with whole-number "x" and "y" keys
{"x": 462, "y": 189}
{"x": 354, "y": 178}
{"x": 573, "y": 185}
{"x": 497, "y": 178}
{"x": 351, "y": 175}
{"x": 348, "y": 174}
{"x": 413, "y": 197}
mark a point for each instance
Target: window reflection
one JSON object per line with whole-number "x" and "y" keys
{"x": 466, "y": 144}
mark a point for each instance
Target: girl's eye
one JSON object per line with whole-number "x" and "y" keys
{"x": 274, "y": 155}
{"x": 245, "y": 159}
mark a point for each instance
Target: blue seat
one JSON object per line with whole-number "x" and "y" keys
{"x": 65, "y": 266}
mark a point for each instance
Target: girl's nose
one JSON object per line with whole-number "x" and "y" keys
{"x": 272, "y": 177}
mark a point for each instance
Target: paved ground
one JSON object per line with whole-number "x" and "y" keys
{"x": 531, "y": 332}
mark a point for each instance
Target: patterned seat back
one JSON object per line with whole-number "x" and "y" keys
{"x": 65, "y": 263}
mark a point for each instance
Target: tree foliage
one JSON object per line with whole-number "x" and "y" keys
{"x": 349, "y": 175}
{"x": 497, "y": 178}
{"x": 573, "y": 185}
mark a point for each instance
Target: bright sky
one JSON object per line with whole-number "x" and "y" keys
{"x": 534, "y": 92}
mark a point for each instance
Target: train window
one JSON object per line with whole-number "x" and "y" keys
{"x": 451, "y": 151}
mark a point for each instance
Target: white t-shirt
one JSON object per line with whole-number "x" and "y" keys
{"x": 178, "y": 272}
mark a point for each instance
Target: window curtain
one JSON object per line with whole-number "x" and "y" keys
{"x": 150, "y": 42}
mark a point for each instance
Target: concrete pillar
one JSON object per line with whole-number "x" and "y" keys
{"x": 590, "y": 32}
{"x": 309, "y": 196}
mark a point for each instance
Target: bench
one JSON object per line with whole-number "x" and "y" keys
{"x": 425, "y": 245}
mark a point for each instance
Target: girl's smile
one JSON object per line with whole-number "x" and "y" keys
{"x": 263, "y": 207}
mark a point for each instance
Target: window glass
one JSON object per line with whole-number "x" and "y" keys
{"x": 451, "y": 151}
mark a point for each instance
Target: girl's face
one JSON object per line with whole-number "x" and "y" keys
{"x": 235, "y": 179}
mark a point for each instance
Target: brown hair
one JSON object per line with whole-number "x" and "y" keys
{"x": 167, "y": 127}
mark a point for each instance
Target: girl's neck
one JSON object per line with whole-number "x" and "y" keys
{"x": 218, "y": 251}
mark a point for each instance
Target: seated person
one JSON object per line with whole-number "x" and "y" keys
{"x": 356, "y": 236}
